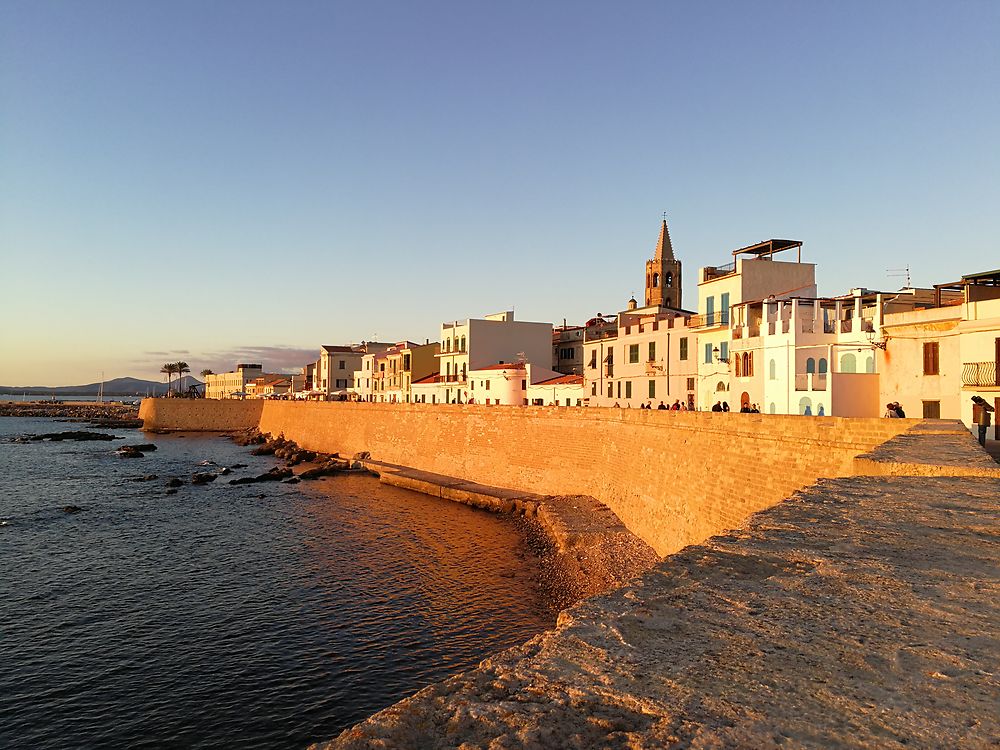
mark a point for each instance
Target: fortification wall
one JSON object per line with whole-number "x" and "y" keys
{"x": 673, "y": 478}
{"x": 199, "y": 415}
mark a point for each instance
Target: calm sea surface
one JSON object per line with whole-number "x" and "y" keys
{"x": 262, "y": 615}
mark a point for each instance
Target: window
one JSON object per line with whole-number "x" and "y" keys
{"x": 619, "y": 389}
{"x": 593, "y": 359}
{"x": 472, "y": 385}
{"x": 341, "y": 383}
{"x": 609, "y": 390}
{"x": 822, "y": 366}
{"x": 724, "y": 309}
{"x": 931, "y": 358}
{"x": 628, "y": 390}
{"x": 524, "y": 384}
{"x": 652, "y": 351}
{"x": 710, "y": 310}
{"x": 487, "y": 385}
{"x": 566, "y": 353}
{"x": 652, "y": 389}
{"x": 724, "y": 350}
{"x": 708, "y": 354}
{"x": 932, "y": 410}
{"x": 684, "y": 348}
{"x": 340, "y": 365}
{"x": 463, "y": 344}
{"x": 772, "y": 370}
{"x": 656, "y": 280}
{"x": 406, "y": 361}
{"x": 633, "y": 354}
{"x": 810, "y": 365}
{"x": 690, "y": 384}
{"x": 593, "y": 389}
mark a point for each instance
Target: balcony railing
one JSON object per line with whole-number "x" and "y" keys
{"x": 983, "y": 374}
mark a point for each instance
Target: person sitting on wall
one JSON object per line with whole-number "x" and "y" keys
{"x": 718, "y": 406}
{"x": 899, "y": 410}
{"x": 890, "y": 412}
{"x": 661, "y": 407}
{"x": 983, "y": 419}
{"x": 617, "y": 405}
{"x": 745, "y": 409}
{"x": 754, "y": 409}
{"x": 725, "y": 406}
{"x": 676, "y": 405}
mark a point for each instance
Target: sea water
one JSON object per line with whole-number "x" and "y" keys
{"x": 258, "y": 615}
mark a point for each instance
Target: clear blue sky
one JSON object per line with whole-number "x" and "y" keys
{"x": 207, "y": 181}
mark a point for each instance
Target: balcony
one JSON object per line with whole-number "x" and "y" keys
{"x": 717, "y": 272}
{"x": 453, "y": 378}
{"x": 981, "y": 374}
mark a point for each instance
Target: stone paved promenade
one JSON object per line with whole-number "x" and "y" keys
{"x": 862, "y": 612}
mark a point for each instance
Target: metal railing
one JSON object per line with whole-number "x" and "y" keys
{"x": 980, "y": 374}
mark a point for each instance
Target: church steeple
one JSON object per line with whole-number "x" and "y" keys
{"x": 664, "y": 248}
{"x": 663, "y": 273}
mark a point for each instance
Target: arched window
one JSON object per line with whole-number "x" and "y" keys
{"x": 720, "y": 387}
{"x": 669, "y": 279}
{"x": 773, "y": 372}
{"x": 805, "y": 406}
{"x": 848, "y": 363}
{"x": 822, "y": 366}
{"x": 739, "y": 366}
{"x": 447, "y": 368}
{"x": 870, "y": 364}
{"x": 744, "y": 399}
{"x": 462, "y": 349}
{"x": 656, "y": 280}
{"x": 811, "y": 365}
{"x": 772, "y": 408}
{"x": 747, "y": 364}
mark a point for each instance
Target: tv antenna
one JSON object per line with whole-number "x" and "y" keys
{"x": 899, "y": 273}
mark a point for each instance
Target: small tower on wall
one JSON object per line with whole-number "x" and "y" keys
{"x": 663, "y": 274}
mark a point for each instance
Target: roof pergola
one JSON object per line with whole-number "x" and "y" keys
{"x": 769, "y": 248}
{"x": 986, "y": 278}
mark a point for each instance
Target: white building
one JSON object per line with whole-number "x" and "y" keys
{"x": 477, "y": 343}
{"x": 754, "y": 274}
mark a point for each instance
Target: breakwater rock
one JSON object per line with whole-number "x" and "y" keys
{"x": 109, "y": 414}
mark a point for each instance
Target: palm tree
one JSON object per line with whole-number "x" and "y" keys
{"x": 181, "y": 368}
{"x": 168, "y": 369}
{"x": 206, "y": 373}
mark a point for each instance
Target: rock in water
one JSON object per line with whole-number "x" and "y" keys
{"x": 71, "y": 509}
{"x": 144, "y": 447}
{"x": 203, "y": 478}
{"x": 129, "y": 451}
{"x": 274, "y": 475}
{"x": 174, "y": 482}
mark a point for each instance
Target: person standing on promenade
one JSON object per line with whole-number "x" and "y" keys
{"x": 890, "y": 412}
{"x": 983, "y": 419}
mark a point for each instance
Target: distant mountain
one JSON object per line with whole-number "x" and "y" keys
{"x": 116, "y": 387}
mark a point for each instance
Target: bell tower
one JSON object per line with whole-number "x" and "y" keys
{"x": 663, "y": 273}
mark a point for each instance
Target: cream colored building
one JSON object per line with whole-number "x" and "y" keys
{"x": 269, "y": 386}
{"x": 940, "y": 354}
{"x": 567, "y": 349}
{"x": 647, "y": 357}
{"x": 335, "y": 368}
{"x": 232, "y": 384}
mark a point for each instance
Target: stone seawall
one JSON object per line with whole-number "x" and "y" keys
{"x": 673, "y": 478}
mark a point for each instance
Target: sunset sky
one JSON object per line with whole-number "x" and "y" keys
{"x": 236, "y": 180}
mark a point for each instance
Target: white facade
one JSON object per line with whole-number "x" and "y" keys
{"x": 232, "y": 384}
{"x": 477, "y": 343}
{"x": 753, "y": 275}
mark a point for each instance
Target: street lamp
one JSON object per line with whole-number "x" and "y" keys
{"x": 724, "y": 360}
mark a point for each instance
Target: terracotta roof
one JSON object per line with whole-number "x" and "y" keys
{"x": 327, "y": 348}
{"x": 563, "y": 380}
{"x": 426, "y": 379}
{"x": 501, "y": 366}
